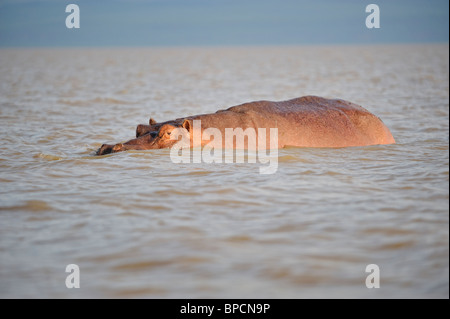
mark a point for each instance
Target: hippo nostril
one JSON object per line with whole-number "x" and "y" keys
{"x": 104, "y": 149}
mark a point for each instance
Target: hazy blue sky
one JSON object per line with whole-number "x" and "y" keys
{"x": 220, "y": 22}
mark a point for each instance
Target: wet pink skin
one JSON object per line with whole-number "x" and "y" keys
{"x": 309, "y": 121}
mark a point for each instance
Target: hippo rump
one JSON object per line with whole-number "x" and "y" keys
{"x": 308, "y": 121}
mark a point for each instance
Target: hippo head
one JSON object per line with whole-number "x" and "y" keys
{"x": 161, "y": 136}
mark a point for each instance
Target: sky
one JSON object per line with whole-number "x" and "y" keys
{"x": 118, "y": 23}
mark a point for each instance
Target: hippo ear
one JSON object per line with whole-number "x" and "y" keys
{"x": 151, "y": 121}
{"x": 187, "y": 125}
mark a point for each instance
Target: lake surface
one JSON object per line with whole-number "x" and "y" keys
{"x": 140, "y": 226}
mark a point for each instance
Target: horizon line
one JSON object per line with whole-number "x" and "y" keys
{"x": 170, "y": 46}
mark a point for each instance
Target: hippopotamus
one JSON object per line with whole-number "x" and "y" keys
{"x": 308, "y": 121}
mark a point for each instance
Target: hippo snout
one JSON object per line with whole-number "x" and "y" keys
{"x": 104, "y": 149}
{"x": 108, "y": 149}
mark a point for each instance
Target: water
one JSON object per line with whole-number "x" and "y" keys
{"x": 138, "y": 225}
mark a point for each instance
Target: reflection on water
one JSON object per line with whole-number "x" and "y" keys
{"x": 140, "y": 226}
